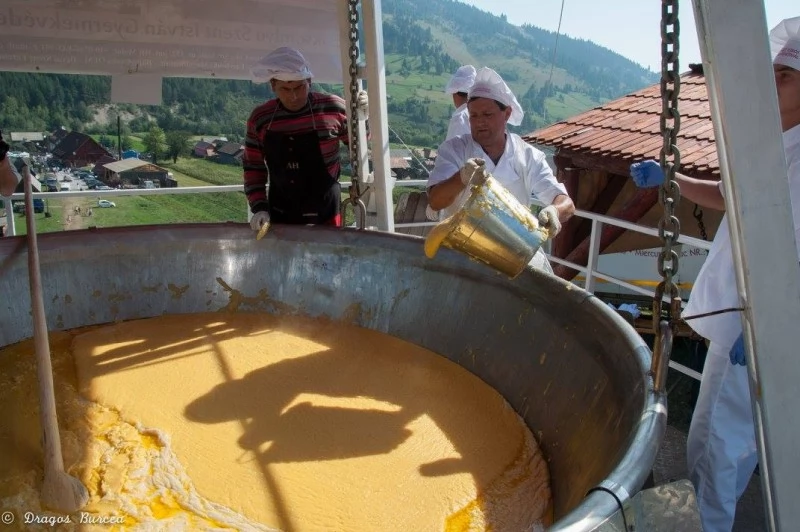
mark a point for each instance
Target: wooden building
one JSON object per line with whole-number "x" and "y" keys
{"x": 203, "y": 149}
{"x": 99, "y": 167}
{"x": 134, "y": 172}
{"x": 77, "y": 150}
{"x": 230, "y": 153}
{"x": 593, "y": 154}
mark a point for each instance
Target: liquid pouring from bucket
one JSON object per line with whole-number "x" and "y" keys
{"x": 492, "y": 227}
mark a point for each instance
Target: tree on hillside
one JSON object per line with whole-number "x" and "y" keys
{"x": 155, "y": 142}
{"x": 177, "y": 144}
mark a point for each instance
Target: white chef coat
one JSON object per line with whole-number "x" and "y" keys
{"x": 715, "y": 287}
{"x": 522, "y": 169}
{"x": 459, "y": 123}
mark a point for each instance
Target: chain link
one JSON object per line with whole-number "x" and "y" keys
{"x": 356, "y": 190}
{"x": 669, "y": 227}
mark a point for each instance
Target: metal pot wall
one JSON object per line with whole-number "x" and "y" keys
{"x": 573, "y": 369}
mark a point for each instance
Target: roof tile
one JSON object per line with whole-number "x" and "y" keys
{"x": 629, "y": 128}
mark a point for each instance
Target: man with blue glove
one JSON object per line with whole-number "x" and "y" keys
{"x": 721, "y": 447}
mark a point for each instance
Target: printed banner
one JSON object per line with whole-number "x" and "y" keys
{"x": 176, "y": 38}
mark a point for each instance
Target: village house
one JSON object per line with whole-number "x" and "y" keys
{"x": 99, "y": 167}
{"x": 55, "y": 137}
{"x": 77, "y": 150}
{"x": 137, "y": 173}
{"x": 230, "y": 153}
{"x": 203, "y": 149}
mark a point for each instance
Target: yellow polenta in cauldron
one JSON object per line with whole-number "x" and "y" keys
{"x": 254, "y": 421}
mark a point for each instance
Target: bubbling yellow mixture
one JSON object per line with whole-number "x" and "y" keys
{"x": 259, "y": 422}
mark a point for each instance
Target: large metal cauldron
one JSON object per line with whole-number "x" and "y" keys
{"x": 572, "y": 368}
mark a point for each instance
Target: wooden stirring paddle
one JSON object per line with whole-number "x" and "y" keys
{"x": 60, "y": 491}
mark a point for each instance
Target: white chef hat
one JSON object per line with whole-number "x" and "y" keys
{"x": 489, "y": 84}
{"x": 284, "y": 64}
{"x": 462, "y": 80}
{"x": 784, "y": 41}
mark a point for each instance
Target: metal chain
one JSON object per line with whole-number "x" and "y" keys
{"x": 356, "y": 191}
{"x": 669, "y": 193}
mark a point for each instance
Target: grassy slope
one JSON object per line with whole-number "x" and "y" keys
{"x": 528, "y": 74}
{"x": 136, "y": 141}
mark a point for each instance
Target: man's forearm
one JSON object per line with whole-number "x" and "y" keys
{"x": 445, "y": 193}
{"x": 565, "y": 207}
{"x": 703, "y": 192}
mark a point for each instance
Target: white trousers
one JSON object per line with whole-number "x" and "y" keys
{"x": 721, "y": 448}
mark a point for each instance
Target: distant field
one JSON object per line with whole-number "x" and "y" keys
{"x": 136, "y": 142}
{"x": 166, "y": 209}
{"x": 572, "y": 104}
{"x": 141, "y": 210}
{"x": 206, "y": 171}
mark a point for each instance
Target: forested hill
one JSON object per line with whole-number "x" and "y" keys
{"x": 424, "y": 42}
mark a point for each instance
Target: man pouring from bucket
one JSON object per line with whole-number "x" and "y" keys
{"x": 514, "y": 163}
{"x": 721, "y": 446}
{"x": 292, "y": 142}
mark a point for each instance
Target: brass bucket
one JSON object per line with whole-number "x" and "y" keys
{"x": 492, "y": 227}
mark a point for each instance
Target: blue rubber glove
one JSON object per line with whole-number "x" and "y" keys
{"x": 647, "y": 174}
{"x": 631, "y": 309}
{"x": 736, "y": 354}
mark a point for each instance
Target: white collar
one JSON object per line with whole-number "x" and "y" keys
{"x": 791, "y": 138}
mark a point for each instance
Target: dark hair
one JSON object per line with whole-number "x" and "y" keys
{"x": 463, "y": 94}
{"x": 502, "y": 106}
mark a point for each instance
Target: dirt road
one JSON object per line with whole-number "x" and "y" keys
{"x": 77, "y": 213}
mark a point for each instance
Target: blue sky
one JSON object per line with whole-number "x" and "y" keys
{"x": 628, "y": 27}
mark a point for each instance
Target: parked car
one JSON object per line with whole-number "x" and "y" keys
{"x": 105, "y": 203}
{"x": 38, "y": 205}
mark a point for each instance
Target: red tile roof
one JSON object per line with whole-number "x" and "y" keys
{"x": 628, "y": 129}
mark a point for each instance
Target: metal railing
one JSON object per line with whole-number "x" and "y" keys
{"x": 99, "y": 194}
{"x": 591, "y": 272}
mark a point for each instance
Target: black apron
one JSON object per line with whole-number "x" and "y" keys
{"x": 301, "y": 191}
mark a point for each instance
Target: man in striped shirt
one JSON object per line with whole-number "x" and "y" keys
{"x": 292, "y": 143}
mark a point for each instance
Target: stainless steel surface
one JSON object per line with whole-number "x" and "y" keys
{"x": 733, "y": 39}
{"x": 493, "y": 227}
{"x": 574, "y": 370}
